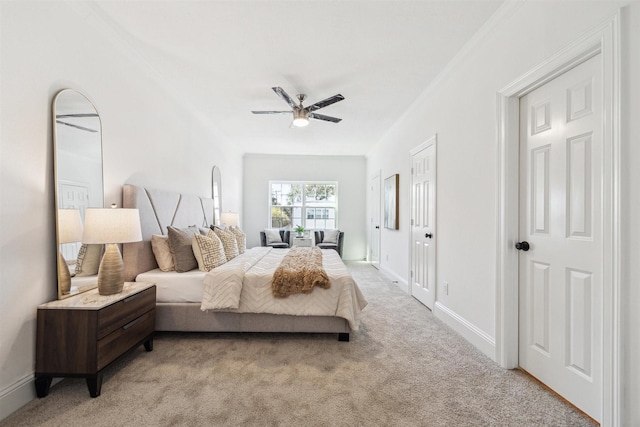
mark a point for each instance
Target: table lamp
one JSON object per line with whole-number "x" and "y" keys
{"x": 230, "y": 219}
{"x": 111, "y": 226}
{"x": 69, "y": 231}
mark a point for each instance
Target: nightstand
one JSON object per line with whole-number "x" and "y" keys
{"x": 301, "y": 241}
{"x": 80, "y": 336}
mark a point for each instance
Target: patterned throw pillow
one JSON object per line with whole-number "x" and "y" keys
{"x": 160, "y": 248}
{"x": 331, "y": 236}
{"x": 180, "y": 245}
{"x": 229, "y": 242}
{"x": 241, "y": 238}
{"x": 88, "y": 261}
{"x": 208, "y": 250}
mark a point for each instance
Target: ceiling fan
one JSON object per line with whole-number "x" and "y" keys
{"x": 79, "y": 115}
{"x": 301, "y": 114}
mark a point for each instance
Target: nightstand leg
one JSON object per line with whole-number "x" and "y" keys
{"x": 94, "y": 382}
{"x": 148, "y": 344}
{"x": 43, "y": 382}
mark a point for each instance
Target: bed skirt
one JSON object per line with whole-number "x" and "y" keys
{"x": 188, "y": 317}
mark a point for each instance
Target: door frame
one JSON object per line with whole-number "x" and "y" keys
{"x": 378, "y": 175}
{"x": 603, "y": 40}
{"x": 432, "y": 140}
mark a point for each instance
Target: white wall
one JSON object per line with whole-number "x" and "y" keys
{"x": 149, "y": 139}
{"x": 461, "y": 110}
{"x": 348, "y": 171}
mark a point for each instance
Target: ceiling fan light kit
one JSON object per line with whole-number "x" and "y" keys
{"x": 300, "y": 119}
{"x": 301, "y": 114}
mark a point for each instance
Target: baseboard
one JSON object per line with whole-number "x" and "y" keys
{"x": 402, "y": 283}
{"x": 16, "y": 396}
{"x": 480, "y": 339}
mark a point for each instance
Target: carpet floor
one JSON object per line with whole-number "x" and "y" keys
{"x": 402, "y": 368}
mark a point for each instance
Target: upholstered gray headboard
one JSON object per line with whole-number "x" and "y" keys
{"x": 159, "y": 209}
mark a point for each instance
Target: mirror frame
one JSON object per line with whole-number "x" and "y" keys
{"x": 56, "y": 142}
{"x": 216, "y": 194}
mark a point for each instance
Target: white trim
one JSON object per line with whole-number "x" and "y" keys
{"x": 480, "y": 339}
{"x": 603, "y": 40}
{"x": 16, "y": 395}
{"x": 378, "y": 174}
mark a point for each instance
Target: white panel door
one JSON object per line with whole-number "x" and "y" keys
{"x": 560, "y": 328}
{"x": 423, "y": 217}
{"x": 374, "y": 224}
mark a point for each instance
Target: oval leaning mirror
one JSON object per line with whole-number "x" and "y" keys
{"x": 216, "y": 194}
{"x": 77, "y": 143}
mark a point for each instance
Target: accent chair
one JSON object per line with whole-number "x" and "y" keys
{"x": 319, "y": 235}
{"x": 284, "y": 235}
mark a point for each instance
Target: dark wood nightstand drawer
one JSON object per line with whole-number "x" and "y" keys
{"x": 125, "y": 337}
{"x": 81, "y": 335}
{"x": 121, "y": 313}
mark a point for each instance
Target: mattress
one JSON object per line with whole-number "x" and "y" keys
{"x": 175, "y": 287}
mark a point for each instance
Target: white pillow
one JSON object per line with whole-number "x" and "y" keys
{"x": 331, "y": 236}
{"x": 273, "y": 235}
{"x": 160, "y": 248}
{"x": 208, "y": 250}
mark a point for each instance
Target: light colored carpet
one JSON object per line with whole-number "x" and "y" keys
{"x": 403, "y": 368}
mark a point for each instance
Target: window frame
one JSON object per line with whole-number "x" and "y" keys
{"x": 304, "y": 206}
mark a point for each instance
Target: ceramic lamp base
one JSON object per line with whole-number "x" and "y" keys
{"x": 64, "y": 276}
{"x": 111, "y": 272}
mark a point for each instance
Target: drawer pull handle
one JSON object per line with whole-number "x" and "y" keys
{"x": 130, "y": 324}
{"x": 131, "y": 298}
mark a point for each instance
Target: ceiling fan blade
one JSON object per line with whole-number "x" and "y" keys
{"x": 325, "y": 102}
{"x": 323, "y": 117}
{"x": 61, "y": 116}
{"x": 76, "y": 126}
{"x": 284, "y": 95}
{"x": 271, "y": 112}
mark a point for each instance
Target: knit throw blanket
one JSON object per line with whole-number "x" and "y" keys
{"x": 299, "y": 272}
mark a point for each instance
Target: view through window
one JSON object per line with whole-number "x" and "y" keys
{"x": 313, "y": 205}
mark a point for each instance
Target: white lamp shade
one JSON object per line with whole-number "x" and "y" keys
{"x": 231, "y": 219}
{"x": 69, "y": 226}
{"x": 111, "y": 226}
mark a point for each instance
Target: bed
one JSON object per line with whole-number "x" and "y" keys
{"x": 180, "y": 306}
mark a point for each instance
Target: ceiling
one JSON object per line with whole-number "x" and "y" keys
{"x": 221, "y": 58}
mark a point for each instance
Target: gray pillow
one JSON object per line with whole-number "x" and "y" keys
{"x": 180, "y": 246}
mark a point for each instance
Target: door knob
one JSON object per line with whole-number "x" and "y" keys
{"x": 377, "y": 227}
{"x": 428, "y": 235}
{"x": 522, "y": 246}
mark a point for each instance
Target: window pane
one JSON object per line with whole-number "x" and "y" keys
{"x": 281, "y": 217}
{"x": 297, "y": 217}
{"x": 294, "y": 197}
{"x": 276, "y": 191}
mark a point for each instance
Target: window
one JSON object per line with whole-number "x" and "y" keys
{"x": 310, "y": 204}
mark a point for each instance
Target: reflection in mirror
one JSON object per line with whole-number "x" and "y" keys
{"x": 77, "y": 139}
{"x": 216, "y": 194}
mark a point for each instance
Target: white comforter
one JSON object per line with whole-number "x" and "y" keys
{"x": 244, "y": 285}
